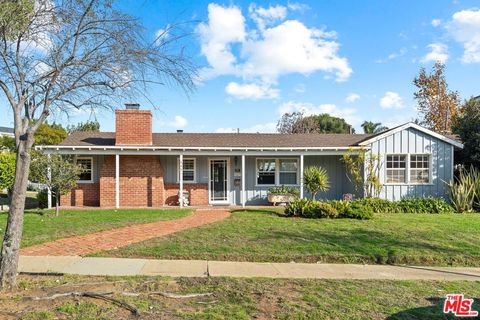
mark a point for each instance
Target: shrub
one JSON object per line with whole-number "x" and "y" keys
{"x": 42, "y": 198}
{"x": 323, "y": 210}
{"x": 408, "y": 205}
{"x": 379, "y": 205}
{"x": 308, "y": 208}
{"x": 296, "y": 207}
{"x": 462, "y": 190}
{"x": 284, "y": 190}
{"x": 357, "y": 210}
{"x": 424, "y": 205}
{"x": 352, "y": 209}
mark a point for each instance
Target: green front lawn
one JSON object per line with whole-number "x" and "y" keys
{"x": 42, "y": 225}
{"x": 235, "y": 298}
{"x": 256, "y": 235}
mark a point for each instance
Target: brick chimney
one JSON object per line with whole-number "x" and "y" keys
{"x": 133, "y": 126}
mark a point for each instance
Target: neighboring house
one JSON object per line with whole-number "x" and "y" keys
{"x": 132, "y": 167}
{"x": 5, "y": 131}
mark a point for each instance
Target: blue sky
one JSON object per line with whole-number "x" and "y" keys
{"x": 353, "y": 59}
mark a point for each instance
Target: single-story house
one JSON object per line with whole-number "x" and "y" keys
{"x": 6, "y": 131}
{"x": 133, "y": 167}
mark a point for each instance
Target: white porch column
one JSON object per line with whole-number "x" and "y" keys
{"x": 49, "y": 191}
{"x": 180, "y": 179}
{"x": 301, "y": 176}
{"x": 117, "y": 181}
{"x": 243, "y": 195}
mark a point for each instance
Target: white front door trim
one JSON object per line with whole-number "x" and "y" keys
{"x": 210, "y": 201}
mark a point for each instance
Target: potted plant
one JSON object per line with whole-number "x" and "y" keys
{"x": 282, "y": 194}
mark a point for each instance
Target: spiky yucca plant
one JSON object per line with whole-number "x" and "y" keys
{"x": 316, "y": 180}
{"x": 465, "y": 190}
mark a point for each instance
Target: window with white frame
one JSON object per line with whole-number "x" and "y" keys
{"x": 266, "y": 169}
{"x": 419, "y": 168}
{"x": 277, "y": 171}
{"x": 396, "y": 169}
{"x": 86, "y": 174}
{"x": 188, "y": 170}
{"x": 288, "y": 169}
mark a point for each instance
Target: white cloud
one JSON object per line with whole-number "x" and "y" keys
{"x": 269, "y": 127}
{"x": 300, "y": 88}
{"x": 438, "y": 52}
{"x": 226, "y": 25}
{"x": 465, "y": 28}
{"x": 251, "y": 91}
{"x": 178, "y": 122}
{"x": 393, "y": 55}
{"x": 162, "y": 34}
{"x": 352, "y": 97}
{"x": 291, "y": 47}
{"x": 308, "y": 109}
{"x": 436, "y": 22}
{"x": 266, "y": 16}
{"x": 275, "y": 48}
{"x": 391, "y": 100}
{"x": 296, "y": 6}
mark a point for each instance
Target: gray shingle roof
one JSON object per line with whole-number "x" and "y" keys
{"x": 241, "y": 140}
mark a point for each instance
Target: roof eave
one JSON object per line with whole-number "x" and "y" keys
{"x": 417, "y": 127}
{"x": 169, "y": 148}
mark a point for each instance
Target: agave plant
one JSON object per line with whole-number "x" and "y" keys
{"x": 464, "y": 190}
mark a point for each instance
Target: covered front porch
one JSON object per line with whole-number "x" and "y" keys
{"x": 151, "y": 177}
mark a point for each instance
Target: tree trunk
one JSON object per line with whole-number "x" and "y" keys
{"x": 57, "y": 204}
{"x": 13, "y": 232}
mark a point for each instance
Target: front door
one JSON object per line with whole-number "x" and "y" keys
{"x": 218, "y": 178}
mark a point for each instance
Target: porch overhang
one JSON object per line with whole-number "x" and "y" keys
{"x": 234, "y": 151}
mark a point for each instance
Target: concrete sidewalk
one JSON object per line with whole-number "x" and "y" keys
{"x": 199, "y": 268}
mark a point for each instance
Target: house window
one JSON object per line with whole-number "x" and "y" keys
{"x": 87, "y": 173}
{"x": 419, "y": 168}
{"x": 188, "y": 170}
{"x": 396, "y": 168}
{"x": 288, "y": 169}
{"x": 266, "y": 171}
{"x": 277, "y": 171}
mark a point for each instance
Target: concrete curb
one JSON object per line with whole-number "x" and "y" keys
{"x": 202, "y": 268}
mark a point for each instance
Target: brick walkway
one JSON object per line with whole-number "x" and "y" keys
{"x": 110, "y": 239}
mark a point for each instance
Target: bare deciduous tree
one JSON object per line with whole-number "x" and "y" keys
{"x": 57, "y": 56}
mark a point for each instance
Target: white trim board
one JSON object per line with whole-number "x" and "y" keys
{"x": 414, "y": 126}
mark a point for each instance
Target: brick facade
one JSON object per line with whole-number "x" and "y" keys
{"x": 133, "y": 127}
{"x": 198, "y": 193}
{"x": 85, "y": 194}
{"x": 141, "y": 182}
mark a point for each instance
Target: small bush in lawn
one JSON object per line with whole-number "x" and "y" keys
{"x": 297, "y": 207}
{"x": 408, "y": 205}
{"x": 357, "y": 210}
{"x": 324, "y": 210}
{"x": 308, "y": 208}
{"x": 352, "y": 209}
{"x": 379, "y": 205}
{"x": 424, "y": 205}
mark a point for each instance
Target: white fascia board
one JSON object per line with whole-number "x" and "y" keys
{"x": 160, "y": 148}
{"x": 414, "y": 126}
